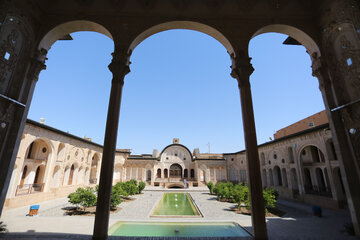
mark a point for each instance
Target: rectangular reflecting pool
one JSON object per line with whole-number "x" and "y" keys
{"x": 178, "y": 229}
{"x": 176, "y": 205}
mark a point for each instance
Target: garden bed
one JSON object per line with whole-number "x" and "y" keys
{"x": 272, "y": 212}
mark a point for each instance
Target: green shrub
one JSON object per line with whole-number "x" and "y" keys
{"x": 269, "y": 198}
{"x": 83, "y": 197}
{"x": 240, "y": 194}
{"x": 115, "y": 197}
{"x": 131, "y": 187}
{"x": 120, "y": 188}
{"x": 210, "y": 185}
{"x": 272, "y": 192}
{"x": 133, "y": 181}
{"x": 141, "y": 186}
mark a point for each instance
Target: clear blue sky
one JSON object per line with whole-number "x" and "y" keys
{"x": 179, "y": 86}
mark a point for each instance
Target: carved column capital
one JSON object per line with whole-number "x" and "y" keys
{"x": 317, "y": 68}
{"x": 37, "y": 64}
{"x": 241, "y": 69}
{"x": 119, "y": 65}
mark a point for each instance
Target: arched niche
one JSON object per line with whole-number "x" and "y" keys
{"x": 63, "y": 29}
{"x": 189, "y": 25}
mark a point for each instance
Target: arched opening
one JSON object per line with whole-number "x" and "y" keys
{"x": 166, "y": 173}
{"x": 284, "y": 177}
{"x": 183, "y": 25}
{"x": 71, "y": 175}
{"x": 202, "y": 176}
{"x": 148, "y": 176}
{"x": 320, "y": 180}
{"x": 262, "y": 159}
{"x": 37, "y": 174}
{"x": 294, "y": 181}
{"x": 56, "y": 177}
{"x": 308, "y": 181}
{"x": 264, "y": 178}
{"x": 38, "y": 150}
{"x": 175, "y": 171}
{"x": 87, "y": 175}
{"x": 271, "y": 177}
{"x": 158, "y": 173}
{"x": 277, "y": 176}
{"x": 192, "y": 174}
{"x": 70, "y": 27}
{"x": 94, "y": 169}
{"x": 311, "y": 154}
{"x": 185, "y": 173}
{"x": 61, "y": 152}
{"x": 23, "y": 176}
{"x": 290, "y": 155}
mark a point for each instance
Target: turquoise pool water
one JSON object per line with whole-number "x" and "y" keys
{"x": 170, "y": 229}
{"x": 176, "y": 204}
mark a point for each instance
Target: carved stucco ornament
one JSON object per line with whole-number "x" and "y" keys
{"x": 241, "y": 68}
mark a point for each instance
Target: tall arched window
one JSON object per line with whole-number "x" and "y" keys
{"x": 71, "y": 174}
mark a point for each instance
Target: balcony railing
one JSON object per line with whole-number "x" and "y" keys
{"x": 29, "y": 189}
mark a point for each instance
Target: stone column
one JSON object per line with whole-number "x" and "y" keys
{"x": 241, "y": 71}
{"x": 342, "y": 143}
{"x": 119, "y": 67}
{"x": 19, "y": 71}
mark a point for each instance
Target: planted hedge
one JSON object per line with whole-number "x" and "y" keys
{"x": 239, "y": 193}
{"x": 87, "y": 197}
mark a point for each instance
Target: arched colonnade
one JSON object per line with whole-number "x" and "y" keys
{"x": 331, "y": 48}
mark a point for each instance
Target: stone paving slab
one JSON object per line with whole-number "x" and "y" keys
{"x": 296, "y": 224}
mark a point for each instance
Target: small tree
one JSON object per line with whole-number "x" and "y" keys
{"x": 269, "y": 198}
{"x": 141, "y": 186}
{"x": 83, "y": 197}
{"x": 115, "y": 197}
{"x": 131, "y": 187}
{"x": 120, "y": 188}
{"x": 210, "y": 185}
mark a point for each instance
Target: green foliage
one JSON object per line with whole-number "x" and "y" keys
{"x": 84, "y": 197}
{"x": 239, "y": 193}
{"x": 210, "y": 185}
{"x": 3, "y": 227}
{"x": 131, "y": 187}
{"x": 133, "y": 181}
{"x": 120, "y": 189}
{"x": 269, "y": 197}
{"x": 115, "y": 198}
{"x": 141, "y": 186}
{"x": 272, "y": 192}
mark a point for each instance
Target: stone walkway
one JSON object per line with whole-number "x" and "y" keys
{"x": 296, "y": 224}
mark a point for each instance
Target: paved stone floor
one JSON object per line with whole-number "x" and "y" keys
{"x": 298, "y": 223}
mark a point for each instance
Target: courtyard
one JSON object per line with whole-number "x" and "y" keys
{"x": 297, "y": 223}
